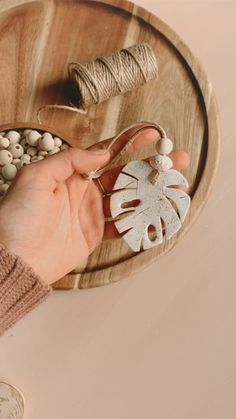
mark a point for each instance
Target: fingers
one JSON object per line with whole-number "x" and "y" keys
{"x": 180, "y": 159}
{"x": 180, "y": 162}
{"x": 145, "y": 137}
{"x": 59, "y": 167}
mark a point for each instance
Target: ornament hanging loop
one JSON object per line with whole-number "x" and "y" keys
{"x": 117, "y": 155}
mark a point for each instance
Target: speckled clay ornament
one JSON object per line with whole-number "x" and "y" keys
{"x": 154, "y": 207}
{"x": 148, "y": 192}
{"x": 152, "y": 185}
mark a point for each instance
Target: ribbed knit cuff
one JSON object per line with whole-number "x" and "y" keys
{"x": 21, "y": 289}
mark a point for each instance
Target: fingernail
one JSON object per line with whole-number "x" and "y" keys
{"x": 98, "y": 151}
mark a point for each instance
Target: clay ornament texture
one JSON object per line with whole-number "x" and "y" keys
{"x": 160, "y": 205}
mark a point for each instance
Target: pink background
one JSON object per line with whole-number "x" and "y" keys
{"x": 162, "y": 343}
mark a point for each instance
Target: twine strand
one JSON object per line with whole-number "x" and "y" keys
{"x": 64, "y": 107}
{"x": 108, "y": 76}
{"x": 95, "y": 174}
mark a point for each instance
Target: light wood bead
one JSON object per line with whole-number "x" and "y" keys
{"x": 27, "y": 131}
{"x": 24, "y": 142}
{"x": 15, "y": 161}
{"x": 47, "y": 135}
{"x": 35, "y": 159}
{"x": 164, "y": 146}
{"x": 22, "y": 163}
{"x": 57, "y": 141}
{"x": 4, "y": 187}
{"x": 25, "y": 157}
{"x": 9, "y": 171}
{"x": 42, "y": 153}
{"x": 5, "y": 157}
{"x": 33, "y": 138}
{"x": 64, "y": 146}
{"x": 54, "y": 150}
{"x": 46, "y": 143}
{"x": 4, "y": 142}
{"x": 16, "y": 150}
{"x": 31, "y": 151}
{"x": 13, "y": 136}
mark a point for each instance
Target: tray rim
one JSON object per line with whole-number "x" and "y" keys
{"x": 203, "y": 189}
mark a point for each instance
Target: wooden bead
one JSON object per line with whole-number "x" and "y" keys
{"x": 57, "y": 141}
{"x": 15, "y": 161}
{"x": 4, "y": 142}
{"x": 31, "y": 151}
{"x": 47, "y": 135}
{"x": 16, "y": 150}
{"x": 54, "y": 150}
{"x": 22, "y": 163}
{"x": 25, "y": 157}
{"x": 161, "y": 163}
{"x": 46, "y": 142}
{"x": 13, "y": 136}
{"x": 164, "y": 146}
{"x": 24, "y": 142}
{"x": 4, "y": 187}
{"x": 42, "y": 153}
{"x": 35, "y": 159}
{"x": 27, "y": 131}
{"x": 65, "y": 146}
{"x": 5, "y": 157}
{"x": 33, "y": 138}
{"x": 9, "y": 171}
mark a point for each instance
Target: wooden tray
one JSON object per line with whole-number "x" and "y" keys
{"x": 38, "y": 38}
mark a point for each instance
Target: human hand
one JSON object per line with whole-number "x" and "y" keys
{"x": 53, "y": 217}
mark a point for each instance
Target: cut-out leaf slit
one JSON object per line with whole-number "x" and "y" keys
{"x": 157, "y": 205}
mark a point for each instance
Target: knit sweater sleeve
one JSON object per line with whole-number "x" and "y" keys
{"x": 21, "y": 289}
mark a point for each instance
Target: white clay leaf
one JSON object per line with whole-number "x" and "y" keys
{"x": 156, "y": 204}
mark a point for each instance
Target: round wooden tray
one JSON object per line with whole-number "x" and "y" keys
{"x": 38, "y": 38}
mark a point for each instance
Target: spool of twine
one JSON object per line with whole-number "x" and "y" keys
{"x": 120, "y": 72}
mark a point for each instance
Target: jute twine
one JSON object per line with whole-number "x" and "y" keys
{"x": 108, "y": 76}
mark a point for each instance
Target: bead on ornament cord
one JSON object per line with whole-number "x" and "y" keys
{"x": 161, "y": 162}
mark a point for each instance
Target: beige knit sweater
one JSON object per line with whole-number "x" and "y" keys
{"x": 20, "y": 288}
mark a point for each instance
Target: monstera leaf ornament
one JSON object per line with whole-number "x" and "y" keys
{"x": 146, "y": 194}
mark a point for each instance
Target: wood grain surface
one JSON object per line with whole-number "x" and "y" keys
{"x": 39, "y": 38}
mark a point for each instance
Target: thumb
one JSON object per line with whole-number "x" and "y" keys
{"x": 59, "y": 167}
